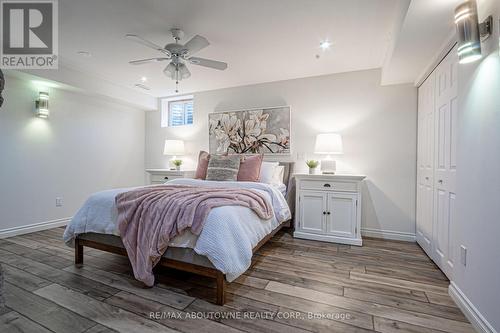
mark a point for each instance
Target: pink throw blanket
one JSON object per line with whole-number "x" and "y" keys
{"x": 149, "y": 217}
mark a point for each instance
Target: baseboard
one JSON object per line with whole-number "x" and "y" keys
{"x": 329, "y": 238}
{"x": 470, "y": 311}
{"x": 26, "y": 229}
{"x": 387, "y": 234}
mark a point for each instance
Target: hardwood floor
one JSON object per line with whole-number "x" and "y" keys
{"x": 293, "y": 286}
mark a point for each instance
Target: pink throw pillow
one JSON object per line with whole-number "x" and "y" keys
{"x": 250, "y": 168}
{"x": 201, "y": 169}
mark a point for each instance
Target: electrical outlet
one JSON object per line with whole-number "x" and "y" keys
{"x": 463, "y": 255}
{"x": 59, "y": 202}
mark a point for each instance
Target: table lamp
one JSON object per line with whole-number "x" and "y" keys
{"x": 173, "y": 148}
{"x": 328, "y": 144}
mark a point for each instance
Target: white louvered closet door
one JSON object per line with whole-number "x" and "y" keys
{"x": 445, "y": 157}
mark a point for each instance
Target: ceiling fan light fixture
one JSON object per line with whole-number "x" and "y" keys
{"x": 170, "y": 71}
{"x": 184, "y": 73}
{"x": 177, "y": 54}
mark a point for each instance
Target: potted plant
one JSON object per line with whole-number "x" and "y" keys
{"x": 177, "y": 164}
{"x": 312, "y": 164}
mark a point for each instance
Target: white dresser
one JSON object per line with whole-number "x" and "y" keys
{"x": 160, "y": 176}
{"x": 328, "y": 208}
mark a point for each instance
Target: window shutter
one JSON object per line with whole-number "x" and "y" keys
{"x": 177, "y": 112}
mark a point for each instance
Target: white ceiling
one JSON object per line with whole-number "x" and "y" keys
{"x": 426, "y": 26}
{"x": 261, "y": 40}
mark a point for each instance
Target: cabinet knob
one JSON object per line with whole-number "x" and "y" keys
{"x": 324, "y": 213}
{"x": 426, "y": 178}
{"x": 440, "y": 181}
{"x": 327, "y": 185}
{"x": 166, "y": 177}
{"x": 328, "y": 213}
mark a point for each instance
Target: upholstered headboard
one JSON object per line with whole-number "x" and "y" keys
{"x": 290, "y": 184}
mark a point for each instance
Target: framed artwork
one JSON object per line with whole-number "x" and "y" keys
{"x": 250, "y": 131}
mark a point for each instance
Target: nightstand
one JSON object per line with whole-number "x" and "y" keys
{"x": 160, "y": 176}
{"x": 328, "y": 208}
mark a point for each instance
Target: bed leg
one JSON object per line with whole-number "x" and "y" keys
{"x": 221, "y": 288}
{"x": 78, "y": 252}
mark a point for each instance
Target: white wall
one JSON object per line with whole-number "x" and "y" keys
{"x": 88, "y": 144}
{"x": 478, "y": 177}
{"x": 378, "y": 125}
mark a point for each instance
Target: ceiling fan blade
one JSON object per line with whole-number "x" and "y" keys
{"x": 145, "y": 61}
{"x": 208, "y": 63}
{"x": 145, "y": 42}
{"x": 195, "y": 44}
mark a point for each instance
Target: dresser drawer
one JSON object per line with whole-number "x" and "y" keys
{"x": 158, "y": 178}
{"x": 329, "y": 185}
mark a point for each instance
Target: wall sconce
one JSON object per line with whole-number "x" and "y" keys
{"x": 42, "y": 105}
{"x": 470, "y": 32}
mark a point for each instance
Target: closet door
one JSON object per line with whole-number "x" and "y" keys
{"x": 445, "y": 152}
{"x": 425, "y": 164}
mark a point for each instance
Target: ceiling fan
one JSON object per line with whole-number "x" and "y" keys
{"x": 178, "y": 55}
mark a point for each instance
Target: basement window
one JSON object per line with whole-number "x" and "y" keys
{"x": 177, "y": 111}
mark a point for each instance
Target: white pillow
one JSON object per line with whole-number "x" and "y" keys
{"x": 267, "y": 170}
{"x": 279, "y": 173}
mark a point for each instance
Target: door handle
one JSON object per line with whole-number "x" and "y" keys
{"x": 327, "y": 185}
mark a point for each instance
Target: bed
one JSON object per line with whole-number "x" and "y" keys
{"x": 181, "y": 255}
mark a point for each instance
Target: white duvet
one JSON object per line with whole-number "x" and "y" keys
{"x": 227, "y": 239}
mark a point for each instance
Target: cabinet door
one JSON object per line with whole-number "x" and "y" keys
{"x": 445, "y": 158}
{"x": 341, "y": 215}
{"x": 425, "y": 164}
{"x": 312, "y": 206}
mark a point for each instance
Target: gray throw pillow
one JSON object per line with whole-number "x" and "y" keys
{"x": 223, "y": 168}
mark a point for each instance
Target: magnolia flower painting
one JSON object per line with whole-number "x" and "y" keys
{"x": 259, "y": 131}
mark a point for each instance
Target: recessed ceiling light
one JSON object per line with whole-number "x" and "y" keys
{"x": 144, "y": 79}
{"x": 84, "y": 53}
{"x": 325, "y": 45}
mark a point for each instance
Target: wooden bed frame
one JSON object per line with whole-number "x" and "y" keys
{"x": 176, "y": 264}
{"x": 191, "y": 267}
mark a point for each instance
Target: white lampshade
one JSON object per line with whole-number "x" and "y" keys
{"x": 328, "y": 143}
{"x": 173, "y": 147}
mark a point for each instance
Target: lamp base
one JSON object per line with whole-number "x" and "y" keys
{"x": 328, "y": 167}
